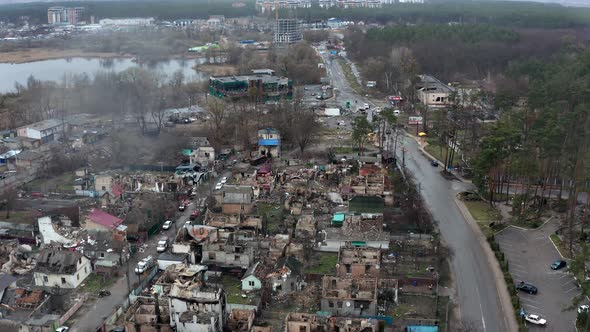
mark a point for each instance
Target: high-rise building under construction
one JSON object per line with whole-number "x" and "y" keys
{"x": 287, "y": 31}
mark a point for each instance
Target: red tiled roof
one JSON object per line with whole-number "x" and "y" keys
{"x": 103, "y": 218}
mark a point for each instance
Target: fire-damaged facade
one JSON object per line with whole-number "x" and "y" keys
{"x": 61, "y": 268}
{"x": 342, "y": 296}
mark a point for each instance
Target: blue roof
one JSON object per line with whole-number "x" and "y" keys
{"x": 422, "y": 328}
{"x": 268, "y": 142}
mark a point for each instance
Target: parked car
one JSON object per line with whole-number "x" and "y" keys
{"x": 167, "y": 224}
{"x": 117, "y": 329}
{"x": 558, "y": 264}
{"x": 218, "y": 186}
{"x": 535, "y": 319}
{"x": 62, "y": 329}
{"x": 527, "y": 288}
{"x": 223, "y": 180}
{"x": 181, "y": 207}
{"x": 583, "y": 308}
{"x": 162, "y": 245}
{"x": 195, "y": 214}
{"x": 103, "y": 293}
{"x": 144, "y": 265}
{"x": 434, "y": 162}
{"x": 366, "y": 106}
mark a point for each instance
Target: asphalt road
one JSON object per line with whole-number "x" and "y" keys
{"x": 529, "y": 253}
{"x": 477, "y": 295}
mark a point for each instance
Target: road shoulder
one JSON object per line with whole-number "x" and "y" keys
{"x": 501, "y": 286}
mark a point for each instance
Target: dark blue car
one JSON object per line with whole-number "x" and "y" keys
{"x": 558, "y": 264}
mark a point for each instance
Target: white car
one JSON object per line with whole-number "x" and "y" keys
{"x": 144, "y": 264}
{"x": 218, "y": 186}
{"x": 162, "y": 245}
{"x": 167, "y": 224}
{"x": 62, "y": 329}
{"x": 583, "y": 308}
{"x": 366, "y": 106}
{"x": 223, "y": 180}
{"x": 535, "y": 319}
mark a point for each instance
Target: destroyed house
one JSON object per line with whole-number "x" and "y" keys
{"x": 144, "y": 315}
{"x": 180, "y": 272}
{"x": 253, "y": 277}
{"x": 233, "y": 221}
{"x": 28, "y": 299}
{"x": 61, "y": 268}
{"x": 303, "y": 322}
{"x": 265, "y": 87}
{"x": 349, "y": 296}
{"x": 190, "y": 239}
{"x": 237, "y": 199}
{"x": 196, "y": 307}
{"x": 287, "y": 276}
{"x": 305, "y": 228}
{"x": 227, "y": 254}
{"x": 240, "y": 320}
{"x": 358, "y": 261}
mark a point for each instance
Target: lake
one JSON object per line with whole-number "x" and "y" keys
{"x": 54, "y": 70}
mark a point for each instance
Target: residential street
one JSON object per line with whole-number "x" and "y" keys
{"x": 90, "y": 318}
{"x": 477, "y": 294}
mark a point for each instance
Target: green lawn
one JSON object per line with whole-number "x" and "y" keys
{"x": 19, "y": 217}
{"x": 233, "y": 289}
{"x": 438, "y": 151}
{"x": 94, "y": 283}
{"x": 273, "y": 214}
{"x": 326, "y": 264}
{"x": 354, "y": 84}
{"x": 481, "y": 211}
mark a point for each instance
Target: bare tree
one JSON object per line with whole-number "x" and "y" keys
{"x": 8, "y": 200}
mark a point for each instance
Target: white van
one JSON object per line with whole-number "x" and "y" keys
{"x": 144, "y": 265}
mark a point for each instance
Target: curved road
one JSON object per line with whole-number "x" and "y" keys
{"x": 477, "y": 294}
{"x": 476, "y": 289}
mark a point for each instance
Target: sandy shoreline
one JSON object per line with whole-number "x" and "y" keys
{"x": 41, "y": 54}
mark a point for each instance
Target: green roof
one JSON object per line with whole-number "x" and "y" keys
{"x": 338, "y": 219}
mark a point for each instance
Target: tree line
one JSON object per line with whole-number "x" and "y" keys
{"x": 542, "y": 142}
{"x": 451, "y": 53}
{"x": 501, "y": 13}
{"x": 168, "y": 10}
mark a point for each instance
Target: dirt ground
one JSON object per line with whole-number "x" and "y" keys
{"x": 217, "y": 70}
{"x": 31, "y": 55}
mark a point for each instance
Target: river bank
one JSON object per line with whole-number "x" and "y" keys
{"x": 40, "y": 54}
{"x": 217, "y": 69}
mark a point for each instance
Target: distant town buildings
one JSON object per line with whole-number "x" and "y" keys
{"x": 267, "y": 6}
{"x": 287, "y": 31}
{"x": 65, "y": 15}
{"x": 137, "y": 21}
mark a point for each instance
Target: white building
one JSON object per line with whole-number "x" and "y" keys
{"x": 47, "y": 130}
{"x": 137, "y": 21}
{"x": 434, "y": 93}
{"x": 61, "y": 268}
{"x": 196, "y": 307}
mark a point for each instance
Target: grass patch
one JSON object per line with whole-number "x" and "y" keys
{"x": 347, "y": 70}
{"x": 438, "y": 151}
{"x": 19, "y": 217}
{"x": 61, "y": 184}
{"x": 273, "y": 214}
{"x": 344, "y": 150}
{"x": 95, "y": 283}
{"x": 481, "y": 211}
{"x": 326, "y": 264}
{"x": 233, "y": 289}
{"x": 561, "y": 246}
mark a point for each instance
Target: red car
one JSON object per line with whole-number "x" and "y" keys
{"x": 195, "y": 214}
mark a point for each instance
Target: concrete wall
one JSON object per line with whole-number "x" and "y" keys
{"x": 349, "y": 307}
{"x": 236, "y": 208}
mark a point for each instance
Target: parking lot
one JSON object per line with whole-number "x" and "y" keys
{"x": 530, "y": 253}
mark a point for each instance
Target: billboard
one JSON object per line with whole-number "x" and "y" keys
{"x": 415, "y": 120}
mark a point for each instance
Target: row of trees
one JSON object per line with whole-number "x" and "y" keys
{"x": 502, "y": 13}
{"x": 450, "y": 53}
{"x": 169, "y": 10}
{"x": 136, "y": 93}
{"x": 544, "y": 139}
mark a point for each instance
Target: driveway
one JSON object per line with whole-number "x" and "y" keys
{"x": 529, "y": 254}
